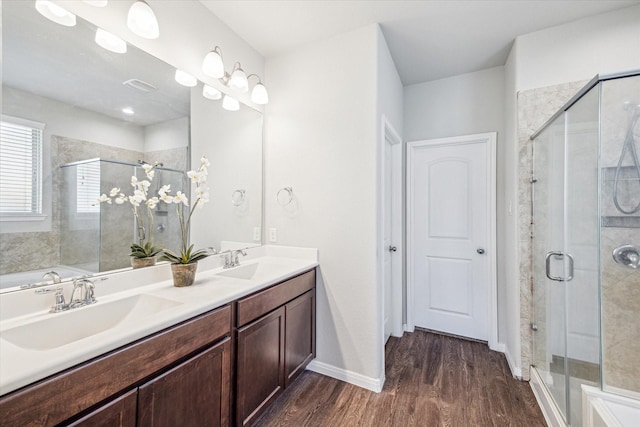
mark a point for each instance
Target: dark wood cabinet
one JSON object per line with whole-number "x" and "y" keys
{"x": 260, "y": 367}
{"x": 275, "y": 348}
{"x": 193, "y": 394}
{"x": 220, "y": 368}
{"x": 120, "y": 412}
{"x": 300, "y": 342}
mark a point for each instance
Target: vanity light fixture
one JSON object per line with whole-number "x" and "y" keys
{"x": 212, "y": 65}
{"x": 142, "y": 21}
{"x": 97, "y": 3}
{"x": 185, "y": 79}
{"x": 110, "y": 41}
{"x": 231, "y": 104}
{"x": 128, "y": 111}
{"x": 238, "y": 79}
{"x": 211, "y": 92}
{"x": 55, "y": 13}
{"x": 259, "y": 93}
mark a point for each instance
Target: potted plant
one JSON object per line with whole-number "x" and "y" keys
{"x": 185, "y": 262}
{"x": 143, "y": 253}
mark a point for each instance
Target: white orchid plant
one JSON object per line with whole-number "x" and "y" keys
{"x": 201, "y": 196}
{"x": 138, "y": 200}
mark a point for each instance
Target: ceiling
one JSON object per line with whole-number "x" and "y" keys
{"x": 429, "y": 40}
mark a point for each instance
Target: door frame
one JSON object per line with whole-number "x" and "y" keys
{"x": 388, "y": 133}
{"x": 490, "y": 139}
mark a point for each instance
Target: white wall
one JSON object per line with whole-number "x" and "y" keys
{"x": 460, "y": 105}
{"x": 575, "y": 51}
{"x": 320, "y": 139}
{"x": 389, "y": 108}
{"x": 167, "y": 135}
{"x": 579, "y": 50}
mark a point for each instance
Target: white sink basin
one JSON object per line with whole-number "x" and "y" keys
{"x": 56, "y": 330}
{"x": 261, "y": 270}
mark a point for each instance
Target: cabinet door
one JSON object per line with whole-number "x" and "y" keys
{"x": 193, "y": 394}
{"x": 260, "y": 370}
{"x": 300, "y": 342}
{"x": 120, "y": 412}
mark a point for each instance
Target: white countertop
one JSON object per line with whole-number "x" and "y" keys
{"x": 20, "y": 366}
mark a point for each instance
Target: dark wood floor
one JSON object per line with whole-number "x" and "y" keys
{"x": 432, "y": 380}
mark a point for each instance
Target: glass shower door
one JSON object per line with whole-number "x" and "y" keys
{"x": 581, "y": 231}
{"x": 565, "y": 255}
{"x": 549, "y": 298}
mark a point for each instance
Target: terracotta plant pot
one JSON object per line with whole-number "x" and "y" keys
{"x": 143, "y": 262}
{"x": 184, "y": 274}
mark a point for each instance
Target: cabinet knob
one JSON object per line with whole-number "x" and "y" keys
{"x": 392, "y": 249}
{"x": 480, "y": 251}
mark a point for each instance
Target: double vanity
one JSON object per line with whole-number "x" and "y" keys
{"x": 149, "y": 354}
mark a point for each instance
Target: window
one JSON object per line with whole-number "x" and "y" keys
{"x": 20, "y": 167}
{"x": 88, "y": 187}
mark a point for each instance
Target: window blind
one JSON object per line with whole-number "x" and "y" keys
{"x": 88, "y": 187}
{"x": 20, "y": 167}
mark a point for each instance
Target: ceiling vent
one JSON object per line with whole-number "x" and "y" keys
{"x": 140, "y": 85}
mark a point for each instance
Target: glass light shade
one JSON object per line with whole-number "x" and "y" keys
{"x": 212, "y": 65}
{"x": 231, "y": 104}
{"x": 185, "y": 79}
{"x": 238, "y": 80}
{"x": 55, "y": 13}
{"x": 211, "y": 92}
{"x": 110, "y": 42}
{"x": 259, "y": 94}
{"x": 142, "y": 21}
{"x": 97, "y": 3}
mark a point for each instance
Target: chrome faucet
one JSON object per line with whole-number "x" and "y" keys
{"x": 231, "y": 257}
{"x": 89, "y": 293}
{"x": 84, "y": 283}
{"x": 53, "y": 276}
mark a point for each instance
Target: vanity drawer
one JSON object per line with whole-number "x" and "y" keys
{"x": 60, "y": 397}
{"x": 258, "y": 304}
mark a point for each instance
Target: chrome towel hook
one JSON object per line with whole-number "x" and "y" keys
{"x": 237, "y": 197}
{"x": 284, "y": 196}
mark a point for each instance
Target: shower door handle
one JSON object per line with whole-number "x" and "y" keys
{"x": 560, "y": 255}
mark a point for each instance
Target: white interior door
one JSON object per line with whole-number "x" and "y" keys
{"x": 450, "y": 234}
{"x": 387, "y": 240}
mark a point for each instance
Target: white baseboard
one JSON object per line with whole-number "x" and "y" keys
{"x": 373, "y": 384}
{"x": 552, "y": 415}
{"x": 501, "y": 347}
{"x": 407, "y": 328}
{"x": 516, "y": 371}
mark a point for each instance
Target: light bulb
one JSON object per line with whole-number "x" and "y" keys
{"x": 231, "y": 104}
{"x": 142, "y": 21}
{"x": 212, "y": 65}
{"x": 128, "y": 111}
{"x": 185, "y": 79}
{"x": 110, "y": 42}
{"x": 55, "y": 13}
{"x": 211, "y": 92}
{"x": 238, "y": 80}
{"x": 96, "y": 3}
{"x": 259, "y": 94}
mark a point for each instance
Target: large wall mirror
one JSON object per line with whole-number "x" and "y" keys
{"x": 99, "y": 114}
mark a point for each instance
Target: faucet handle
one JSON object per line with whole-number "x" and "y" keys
{"x": 60, "y": 304}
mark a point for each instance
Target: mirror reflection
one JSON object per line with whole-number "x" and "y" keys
{"x": 97, "y": 115}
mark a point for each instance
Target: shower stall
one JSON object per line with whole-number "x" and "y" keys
{"x": 586, "y": 250}
{"x": 97, "y": 237}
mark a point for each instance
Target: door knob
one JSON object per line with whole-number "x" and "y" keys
{"x": 480, "y": 251}
{"x": 392, "y": 248}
